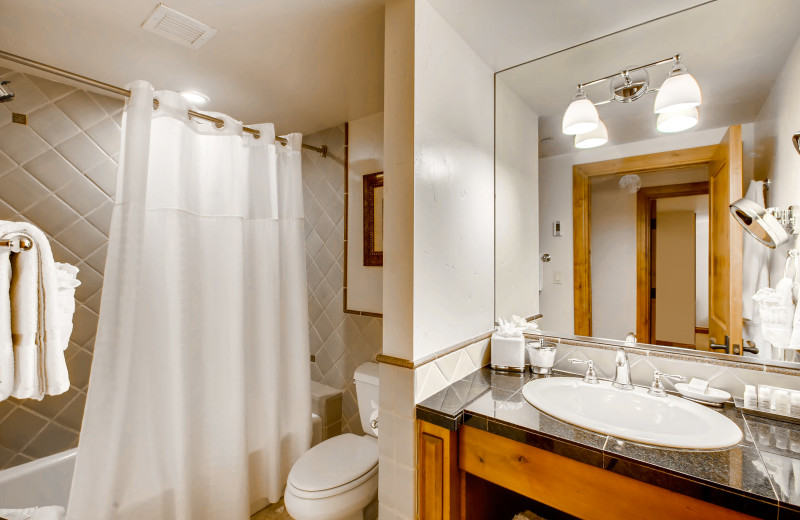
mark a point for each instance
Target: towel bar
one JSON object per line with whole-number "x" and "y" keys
{"x": 17, "y": 243}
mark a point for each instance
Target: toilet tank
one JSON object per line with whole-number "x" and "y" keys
{"x": 366, "y": 378}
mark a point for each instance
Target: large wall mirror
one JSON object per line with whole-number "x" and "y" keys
{"x": 627, "y": 228}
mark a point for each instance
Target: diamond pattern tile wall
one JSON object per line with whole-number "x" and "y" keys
{"x": 59, "y": 172}
{"x": 339, "y": 341}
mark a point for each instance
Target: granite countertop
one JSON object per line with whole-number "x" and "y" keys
{"x": 759, "y": 476}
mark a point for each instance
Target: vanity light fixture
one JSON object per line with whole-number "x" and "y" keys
{"x": 676, "y": 102}
{"x": 195, "y": 98}
{"x": 677, "y": 121}
{"x": 581, "y": 115}
{"x": 679, "y": 91}
{"x": 593, "y": 139}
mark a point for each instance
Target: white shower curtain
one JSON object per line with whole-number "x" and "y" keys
{"x": 199, "y": 400}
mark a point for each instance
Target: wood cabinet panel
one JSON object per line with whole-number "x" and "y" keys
{"x": 438, "y": 475}
{"x": 575, "y": 488}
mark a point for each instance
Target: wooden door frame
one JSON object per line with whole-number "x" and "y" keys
{"x": 581, "y": 213}
{"x": 644, "y": 204}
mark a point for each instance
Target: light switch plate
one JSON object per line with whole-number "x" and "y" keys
{"x": 557, "y": 228}
{"x": 557, "y": 277}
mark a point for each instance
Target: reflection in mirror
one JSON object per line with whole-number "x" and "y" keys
{"x": 647, "y": 239}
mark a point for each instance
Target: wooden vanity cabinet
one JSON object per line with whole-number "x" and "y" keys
{"x": 448, "y": 459}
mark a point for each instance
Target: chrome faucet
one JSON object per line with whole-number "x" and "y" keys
{"x": 622, "y": 375}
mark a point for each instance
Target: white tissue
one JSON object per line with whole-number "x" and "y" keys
{"x": 508, "y": 329}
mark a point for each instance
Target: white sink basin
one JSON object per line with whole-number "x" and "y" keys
{"x": 632, "y": 414}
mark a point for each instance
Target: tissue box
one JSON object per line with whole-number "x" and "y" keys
{"x": 508, "y": 353}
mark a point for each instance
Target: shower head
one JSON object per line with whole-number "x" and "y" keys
{"x": 6, "y": 94}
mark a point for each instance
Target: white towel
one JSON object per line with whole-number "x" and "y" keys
{"x": 38, "y": 316}
{"x": 34, "y": 513}
{"x": 755, "y": 258}
{"x": 6, "y": 344}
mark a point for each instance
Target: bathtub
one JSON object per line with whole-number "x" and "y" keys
{"x": 42, "y": 482}
{"x": 46, "y": 481}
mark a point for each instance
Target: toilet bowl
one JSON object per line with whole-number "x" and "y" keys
{"x": 338, "y": 478}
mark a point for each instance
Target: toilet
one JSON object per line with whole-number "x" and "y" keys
{"x": 338, "y": 478}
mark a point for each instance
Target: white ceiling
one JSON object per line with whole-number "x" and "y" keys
{"x": 303, "y": 64}
{"x": 734, "y": 48}
{"x": 505, "y": 33}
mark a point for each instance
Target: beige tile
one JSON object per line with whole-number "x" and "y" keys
{"x": 107, "y": 135}
{"x": 101, "y": 217}
{"x": 105, "y": 176}
{"x": 81, "y": 108}
{"x": 51, "y": 215}
{"x": 84, "y": 326}
{"x": 19, "y": 428}
{"x": 51, "y": 89}
{"x": 62, "y": 254}
{"x": 98, "y": 259}
{"x": 5, "y": 456}
{"x": 51, "y": 405}
{"x": 109, "y": 104}
{"x": 52, "y": 170}
{"x": 7, "y": 212}
{"x": 52, "y": 124}
{"x": 82, "y": 152}
{"x": 81, "y": 238}
{"x": 79, "y": 366}
{"x": 82, "y": 195}
{"x": 72, "y": 415}
{"x": 19, "y": 190}
{"x": 53, "y": 439}
{"x": 17, "y": 460}
{"x": 21, "y": 143}
{"x": 5, "y": 163}
{"x": 27, "y": 96}
{"x": 91, "y": 282}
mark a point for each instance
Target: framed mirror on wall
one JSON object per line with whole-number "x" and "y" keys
{"x": 633, "y": 214}
{"x": 373, "y": 219}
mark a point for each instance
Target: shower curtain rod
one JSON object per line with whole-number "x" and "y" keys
{"x": 322, "y": 150}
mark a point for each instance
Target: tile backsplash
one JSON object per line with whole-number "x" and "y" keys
{"x": 339, "y": 341}
{"x": 59, "y": 172}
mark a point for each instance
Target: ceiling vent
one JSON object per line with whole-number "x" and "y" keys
{"x": 178, "y": 27}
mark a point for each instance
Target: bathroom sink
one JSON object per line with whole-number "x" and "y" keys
{"x": 632, "y": 414}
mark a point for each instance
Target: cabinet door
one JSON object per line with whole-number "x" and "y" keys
{"x": 438, "y": 474}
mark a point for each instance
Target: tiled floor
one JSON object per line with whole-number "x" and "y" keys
{"x": 275, "y": 511}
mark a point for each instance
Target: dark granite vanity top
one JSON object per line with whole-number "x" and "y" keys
{"x": 760, "y": 476}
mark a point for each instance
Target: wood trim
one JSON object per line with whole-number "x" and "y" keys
{"x": 582, "y": 269}
{"x": 671, "y": 160}
{"x": 675, "y": 344}
{"x": 407, "y": 363}
{"x": 578, "y": 489}
{"x": 701, "y": 330}
{"x": 396, "y": 361}
{"x": 644, "y": 207}
{"x": 581, "y": 213}
{"x": 438, "y": 478}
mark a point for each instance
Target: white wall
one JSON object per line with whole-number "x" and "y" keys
{"x": 365, "y": 143}
{"x": 516, "y": 205}
{"x": 555, "y": 195}
{"x": 453, "y": 187}
{"x": 776, "y": 158}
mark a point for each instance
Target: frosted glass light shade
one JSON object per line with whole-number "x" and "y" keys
{"x": 678, "y": 92}
{"x": 581, "y": 116}
{"x": 593, "y": 139}
{"x": 671, "y": 122}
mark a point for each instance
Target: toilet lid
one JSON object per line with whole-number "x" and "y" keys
{"x": 334, "y": 463}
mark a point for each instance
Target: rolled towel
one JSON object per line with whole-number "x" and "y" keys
{"x": 36, "y": 317}
{"x": 34, "y": 513}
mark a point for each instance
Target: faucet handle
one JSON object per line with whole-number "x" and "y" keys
{"x": 590, "y": 377}
{"x": 657, "y": 387}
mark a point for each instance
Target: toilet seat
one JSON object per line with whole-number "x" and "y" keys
{"x": 334, "y": 466}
